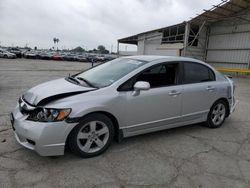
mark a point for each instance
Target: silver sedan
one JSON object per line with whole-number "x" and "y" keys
{"x": 6, "y": 54}
{"x": 124, "y": 97}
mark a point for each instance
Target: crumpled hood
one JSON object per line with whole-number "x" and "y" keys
{"x": 53, "y": 90}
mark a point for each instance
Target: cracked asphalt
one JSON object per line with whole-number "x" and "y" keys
{"x": 188, "y": 157}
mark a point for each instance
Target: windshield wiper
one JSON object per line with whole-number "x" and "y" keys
{"x": 86, "y": 81}
{"x": 73, "y": 79}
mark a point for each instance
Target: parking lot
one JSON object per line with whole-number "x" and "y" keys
{"x": 192, "y": 156}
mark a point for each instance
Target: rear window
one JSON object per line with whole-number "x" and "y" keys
{"x": 196, "y": 73}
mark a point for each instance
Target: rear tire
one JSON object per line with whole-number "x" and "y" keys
{"x": 92, "y": 136}
{"x": 217, "y": 114}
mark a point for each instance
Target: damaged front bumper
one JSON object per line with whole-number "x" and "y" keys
{"x": 46, "y": 138}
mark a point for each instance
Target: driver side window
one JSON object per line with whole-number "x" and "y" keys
{"x": 158, "y": 76}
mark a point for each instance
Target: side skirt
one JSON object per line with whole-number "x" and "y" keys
{"x": 183, "y": 121}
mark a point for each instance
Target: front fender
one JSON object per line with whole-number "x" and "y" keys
{"x": 74, "y": 121}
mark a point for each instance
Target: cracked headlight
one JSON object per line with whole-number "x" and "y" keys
{"x": 49, "y": 114}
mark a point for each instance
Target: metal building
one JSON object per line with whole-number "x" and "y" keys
{"x": 219, "y": 36}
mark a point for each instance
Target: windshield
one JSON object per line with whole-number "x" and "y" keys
{"x": 108, "y": 73}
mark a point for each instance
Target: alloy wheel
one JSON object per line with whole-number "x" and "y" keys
{"x": 93, "y": 136}
{"x": 218, "y": 113}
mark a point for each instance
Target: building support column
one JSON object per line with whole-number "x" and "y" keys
{"x": 206, "y": 43}
{"x": 186, "y": 35}
{"x": 118, "y": 48}
{"x": 144, "y": 40}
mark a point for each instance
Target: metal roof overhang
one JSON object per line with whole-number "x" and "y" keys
{"x": 224, "y": 10}
{"x": 134, "y": 39}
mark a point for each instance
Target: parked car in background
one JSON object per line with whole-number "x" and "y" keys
{"x": 81, "y": 58}
{"x": 100, "y": 58}
{"x": 6, "y": 54}
{"x": 45, "y": 55}
{"x": 69, "y": 57}
{"x": 16, "y": 51}
{"x": 91, "y": 58}
{"x": 30, "y": 54}
{"x": 57, "y": 56}
{"x": 121, "y": 98}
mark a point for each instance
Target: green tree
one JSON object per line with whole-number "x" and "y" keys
{"x": 102, "y": 49}
{"x": 78, "y": 49}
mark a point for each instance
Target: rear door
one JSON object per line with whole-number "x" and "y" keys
{"x": 199, "y": 90}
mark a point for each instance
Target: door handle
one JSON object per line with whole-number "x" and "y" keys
{"x": 174, "y": 93}
{"x": 210, "y": 88}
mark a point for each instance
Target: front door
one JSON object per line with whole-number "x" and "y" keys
{"x": 156, "y": 108}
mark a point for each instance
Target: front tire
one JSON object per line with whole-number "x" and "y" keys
{"x": 217, "y": 114}
{"x": 92, "y": 136}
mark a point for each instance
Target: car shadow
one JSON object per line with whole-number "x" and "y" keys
{"x": 136, "y": 140}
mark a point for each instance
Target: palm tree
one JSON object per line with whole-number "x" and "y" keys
{"x": 56, "y": 40}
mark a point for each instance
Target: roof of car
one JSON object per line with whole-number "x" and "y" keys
{"x": 149, "y": 58}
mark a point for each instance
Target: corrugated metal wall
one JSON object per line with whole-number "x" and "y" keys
{"x": 150, "y": 44}
{"x": 229, "y": 44}
{"x": 221, "y": 44}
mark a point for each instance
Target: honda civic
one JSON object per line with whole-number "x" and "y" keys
{"x": 124, "y": 97}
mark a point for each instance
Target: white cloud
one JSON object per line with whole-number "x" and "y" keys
{"x": 88, "y": 22}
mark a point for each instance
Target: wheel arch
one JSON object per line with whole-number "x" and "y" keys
{"x": 227, "y": 103}
{"x": 118, "y": 133}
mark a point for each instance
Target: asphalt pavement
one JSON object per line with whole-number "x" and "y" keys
{"x": 188, "y": 157}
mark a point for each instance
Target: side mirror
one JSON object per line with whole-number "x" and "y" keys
{"x": 140, "y": 85}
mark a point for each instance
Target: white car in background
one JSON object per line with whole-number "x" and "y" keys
{"x": 6, "y": 54}
{"x": 31, "y": 54}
